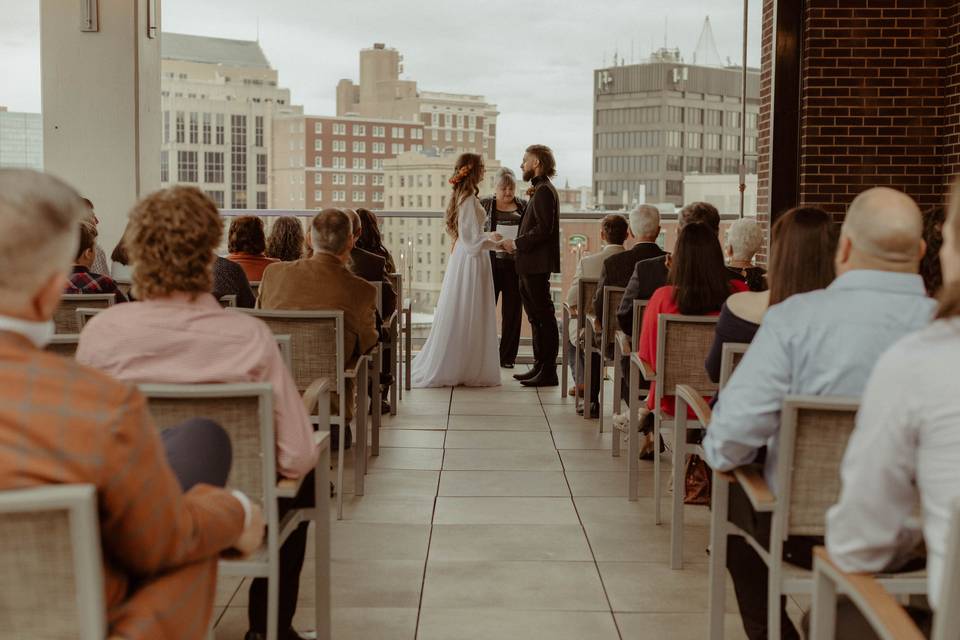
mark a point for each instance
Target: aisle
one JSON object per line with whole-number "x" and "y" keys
{"x": 495, "y": 514}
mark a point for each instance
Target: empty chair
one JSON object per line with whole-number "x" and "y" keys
{"x": 50, "y": 556}
{"x": 65, "y": 318}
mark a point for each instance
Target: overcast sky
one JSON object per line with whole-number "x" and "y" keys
{"x": 534, "y": 60}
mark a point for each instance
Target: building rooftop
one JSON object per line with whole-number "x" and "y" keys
{"x": 240, "y": 53}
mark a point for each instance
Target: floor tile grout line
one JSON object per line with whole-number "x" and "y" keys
{"x": 583, "y": 528}
{"x": 433, "y": 517}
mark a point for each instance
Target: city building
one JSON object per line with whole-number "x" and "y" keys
{"x": 722, "y": 191}
{"x": 21, "y": 139}
{"x": 660, "y": 120}
{"x": 451, "y": 121}
{"x": 218, "y": 101}
{"x": 326, "y": 161}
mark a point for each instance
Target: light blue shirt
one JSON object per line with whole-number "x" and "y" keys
{"x": 818, "y": 343}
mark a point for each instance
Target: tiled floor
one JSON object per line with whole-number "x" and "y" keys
{"x": 494, "y": 514}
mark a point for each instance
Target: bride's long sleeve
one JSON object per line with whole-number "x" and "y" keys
{"x": 472, "y": 237}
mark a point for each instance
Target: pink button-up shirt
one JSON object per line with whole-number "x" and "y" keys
{"x": 173, "y": 340}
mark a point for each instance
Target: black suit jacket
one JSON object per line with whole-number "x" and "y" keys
{"x": 373, "y": 268}
{"x": 648, "y": 276}
{"x": 538, "y": 240}
{"x": 617, "y": 269}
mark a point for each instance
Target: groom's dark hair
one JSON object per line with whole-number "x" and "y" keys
{"x": 543, "y": 153}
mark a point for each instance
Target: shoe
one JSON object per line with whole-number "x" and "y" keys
{"x": 543, "y": 379}
{"x": 289, "y": 634}
{"x": 572, "y": 391}
{"x": 335, "y": 438}
{"x": 384, "y": 407}
{"x": 506, "y": 365}
{"x": 532, "y": 373}
{"x": 594, "y": 410}
{"x": 646, "y": 450}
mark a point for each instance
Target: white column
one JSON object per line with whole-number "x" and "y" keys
{"x": 101, "y": 103}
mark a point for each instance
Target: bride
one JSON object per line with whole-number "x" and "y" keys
{"x": 462, "y": 347}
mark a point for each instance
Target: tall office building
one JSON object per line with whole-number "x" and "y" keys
{"x": 218, "y": 100}
{"x": 322, "y": 161}
{"x": 21, "y": 139}
{"x": 460, "y": 122}
{"x": 658, "y": 121}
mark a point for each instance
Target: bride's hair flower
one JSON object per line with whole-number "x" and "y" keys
{"x": 460, "y": 175}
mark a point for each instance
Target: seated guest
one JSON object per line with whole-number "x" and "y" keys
{"x": 613, "y": 233}
{"x": 325, "y": 283}
{"x": 933, "y": 219}
{"x": 163, "y": 523}
{"x": 246, "y": 244}
{"x": 229, "y": 279}
{"x": 178, "y": 333}
{"x": 100, "y": 264}
{"x": 801, "y": 259}
{"x": 120, "y": 268}
{"x": 286, "y": 240}
{"x": 370, "y": 239}
{"x": 744, "y": 239}
{"x": 817, "y": 343}
{"x": 903, "y": 453}
{"x": 82, "y": 279}
{"x": 371, "y": 267}
{"x": 696, "y": 287}
{"x": 651, "y": 274}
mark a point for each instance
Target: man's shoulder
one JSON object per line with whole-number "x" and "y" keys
{"x": 61, "y": 379}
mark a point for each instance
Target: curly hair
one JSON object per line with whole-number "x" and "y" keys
{"x": 171, "y": 241}
{"x": 246, "y": 236}
{"x": 930, "y": 269}
{"x": 286, "y": 240}
{"x": 468, "y": 172}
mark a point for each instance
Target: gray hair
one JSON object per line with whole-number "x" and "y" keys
{"x": 331, "y": 231}
{"x": 355, "y": 223}
{"x": 505, "y": 175}
{"x": 744, "y": 237}
{"x": 645, "y": 221}
{"x": 39, "y": 230}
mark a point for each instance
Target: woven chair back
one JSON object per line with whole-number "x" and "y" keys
{"x": 65, "y": 317}
{"x": 685, "y": 342}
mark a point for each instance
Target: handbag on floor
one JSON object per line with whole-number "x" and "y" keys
{"x": 697, "y": 481}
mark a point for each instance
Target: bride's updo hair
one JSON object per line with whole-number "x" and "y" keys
{"x": 468, "y": 171}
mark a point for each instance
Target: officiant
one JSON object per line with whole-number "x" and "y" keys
{"x": 504, "y": 213}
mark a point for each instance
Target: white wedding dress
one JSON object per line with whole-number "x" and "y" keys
{"x": 462, "y": 348}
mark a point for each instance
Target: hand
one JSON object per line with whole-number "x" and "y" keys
{"x": 496, "y": 237}
{"x": 509, "y": 246}
{"x": 252, "y": 537}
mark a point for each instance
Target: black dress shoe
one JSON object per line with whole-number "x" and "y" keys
{"x": 289, "y": 634}
{"x": 506, "y": 365}
{"x": 532, "y": 373}
{"x": 543, "y": 379}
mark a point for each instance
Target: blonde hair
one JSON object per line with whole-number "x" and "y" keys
{"x": 171, "y": 241}
{"x": 468, "y": 172}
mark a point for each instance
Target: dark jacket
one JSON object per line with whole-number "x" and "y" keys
{"x": 230, "y": 279}
{"x": 489, "y": 205}
{"x": 648, "y": 276}
{"x": 373, "y": 268}
{"x": 617, "y": 269}
{"x": 538, "y": 242}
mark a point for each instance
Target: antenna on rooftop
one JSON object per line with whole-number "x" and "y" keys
{"x": 258, "y": 28}
{"x": 706, "y": 53}
{"x": 666, "y": 24}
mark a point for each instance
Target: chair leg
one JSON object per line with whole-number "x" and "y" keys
{"x": 587, "y": 370}
{"x": 774, "y": 591}
{"x": 656, "y": 466}
{"x": 340, "y": 449}
{"x": 718, "y": 556}
{"x": 679, "y": 457}
{"x": 375, "y": 406}
{"x": 394, "y": 369}
{"x": 273, "y": 599}
{"x": 576, "y": 363}
{"x": 633, "y": 448}
{"x": 408, "y": 349}
{"x": 617, "y": 400}
{"x": 603, "y": 373}
{"x": 360, "y": 441}
{"x": 823, "y": 615}
{"x": 321, "y": 547}
{"x": 564, "y": 337}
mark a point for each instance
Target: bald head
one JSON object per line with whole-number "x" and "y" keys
{"x": 883, "y": 230}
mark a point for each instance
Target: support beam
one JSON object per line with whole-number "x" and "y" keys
{"x": 785, "y": 126}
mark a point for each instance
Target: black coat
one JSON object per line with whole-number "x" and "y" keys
{"x": 373, "y": 268}
{"x": 617, "y": 270}
{"x": 538, "y": 240}
{"x": 648, "y": 276}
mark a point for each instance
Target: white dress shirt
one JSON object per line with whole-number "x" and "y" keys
{"x": 905, "y": 451}
{"x": 823, "y": 342}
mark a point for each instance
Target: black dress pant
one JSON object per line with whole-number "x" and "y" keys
{"x": 291, "y": 562}
{"x": 506, "y": 283}
{"x": 538, "y": 305}
{"x": 749, "y": 572}
{"x": 199, "y": 452}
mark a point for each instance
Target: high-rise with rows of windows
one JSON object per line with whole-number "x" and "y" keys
{"x": 655, "y": 122}
{"x": 218, "y": 101}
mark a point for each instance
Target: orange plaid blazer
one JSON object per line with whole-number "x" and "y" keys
{"x": 64, "y": 423}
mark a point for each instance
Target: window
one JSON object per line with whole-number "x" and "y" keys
{"x": 435, "y": 119}
{"x": 359, "y": 146}
{"x": 751, "y": 144}
{"x": 186, "y": 166}
{"x": 429, "y": 180}
{"x": 359, "y": 163}
{"x": 403, "y": 201}
{"x": 317, "y": 195}
{"x": 217, "y": 197}
{"x": 398, "y": 132}
{"x": 359, "y": 179}
{"x": 674, "y": 163}
{"x": 711, "y": 141}
{"x": 416, "y": 134}
{"x": 448, "y": 118}
{"x": 731, "y": 165}
{"x": 194, "y": 128}
{"x": 318, "y": 144}
{"x": 258, "y": 131}
{"x": 391, "y": 181}
{"x": 473, "y": 137}
{"x": 379, "y": 132}
{"x": 379, "y": 147}
{"x": 420, "y": 180}
{"x": 446, "y": 136}
{"x": 340, "y": 146}
{"x": 403, "y": 181}
{"x": 318, "y": 161}
{"x": 166, "y": 127}
{"x": 694, "y": 115}
{"x": 339, "y": 196}
{"x": 675, "y": 114}
{"x": 731, "y": 143}
{"x": 261, "y": 168}
{"x": 238, "y": 161}
{"x": 378, "y": 197}
{"x": 219, "y": 128}
{"x": 317, "y": 178}
{"x": 261, "y": 199}
{"x": 377, "y": 180}
{"x": 181, "y": 133}
{"x": 628, "y": 164}
{"x": 637, "y": 115}
{"x": 673, "y": 139}
{"x": 694, "y": 165}
{"x": 359, "y": 196}
{"x": 711, "y": 165}
{"x": 213, "y": 167}
{"x": 339, "y": 129}
{"x": 713, "y": 118}
{"x": 377, "y": 164}
{"x": 396, "y": 148}
{"x": 751, "y": 121}
{"x": 694, "y": 140}
{"x": 674, "y": 188}
{"x": 318, "y": 127}
{"x": 339, "y": 162}
{"x": 206, "y": 129}
{"x": 459, "y": 136}
{"x": 359, "y": 130}
{"x": 164, "y": 166}
{"x": 732, "y": 119}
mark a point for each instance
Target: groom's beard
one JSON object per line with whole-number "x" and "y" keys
{"x": 529, "y": 175}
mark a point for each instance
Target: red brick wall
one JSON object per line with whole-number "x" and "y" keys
{"x": 951, "y": 84}
{"x": 763, "y": 140}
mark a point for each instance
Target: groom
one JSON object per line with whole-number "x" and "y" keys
{"x": 537, "y": 249}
